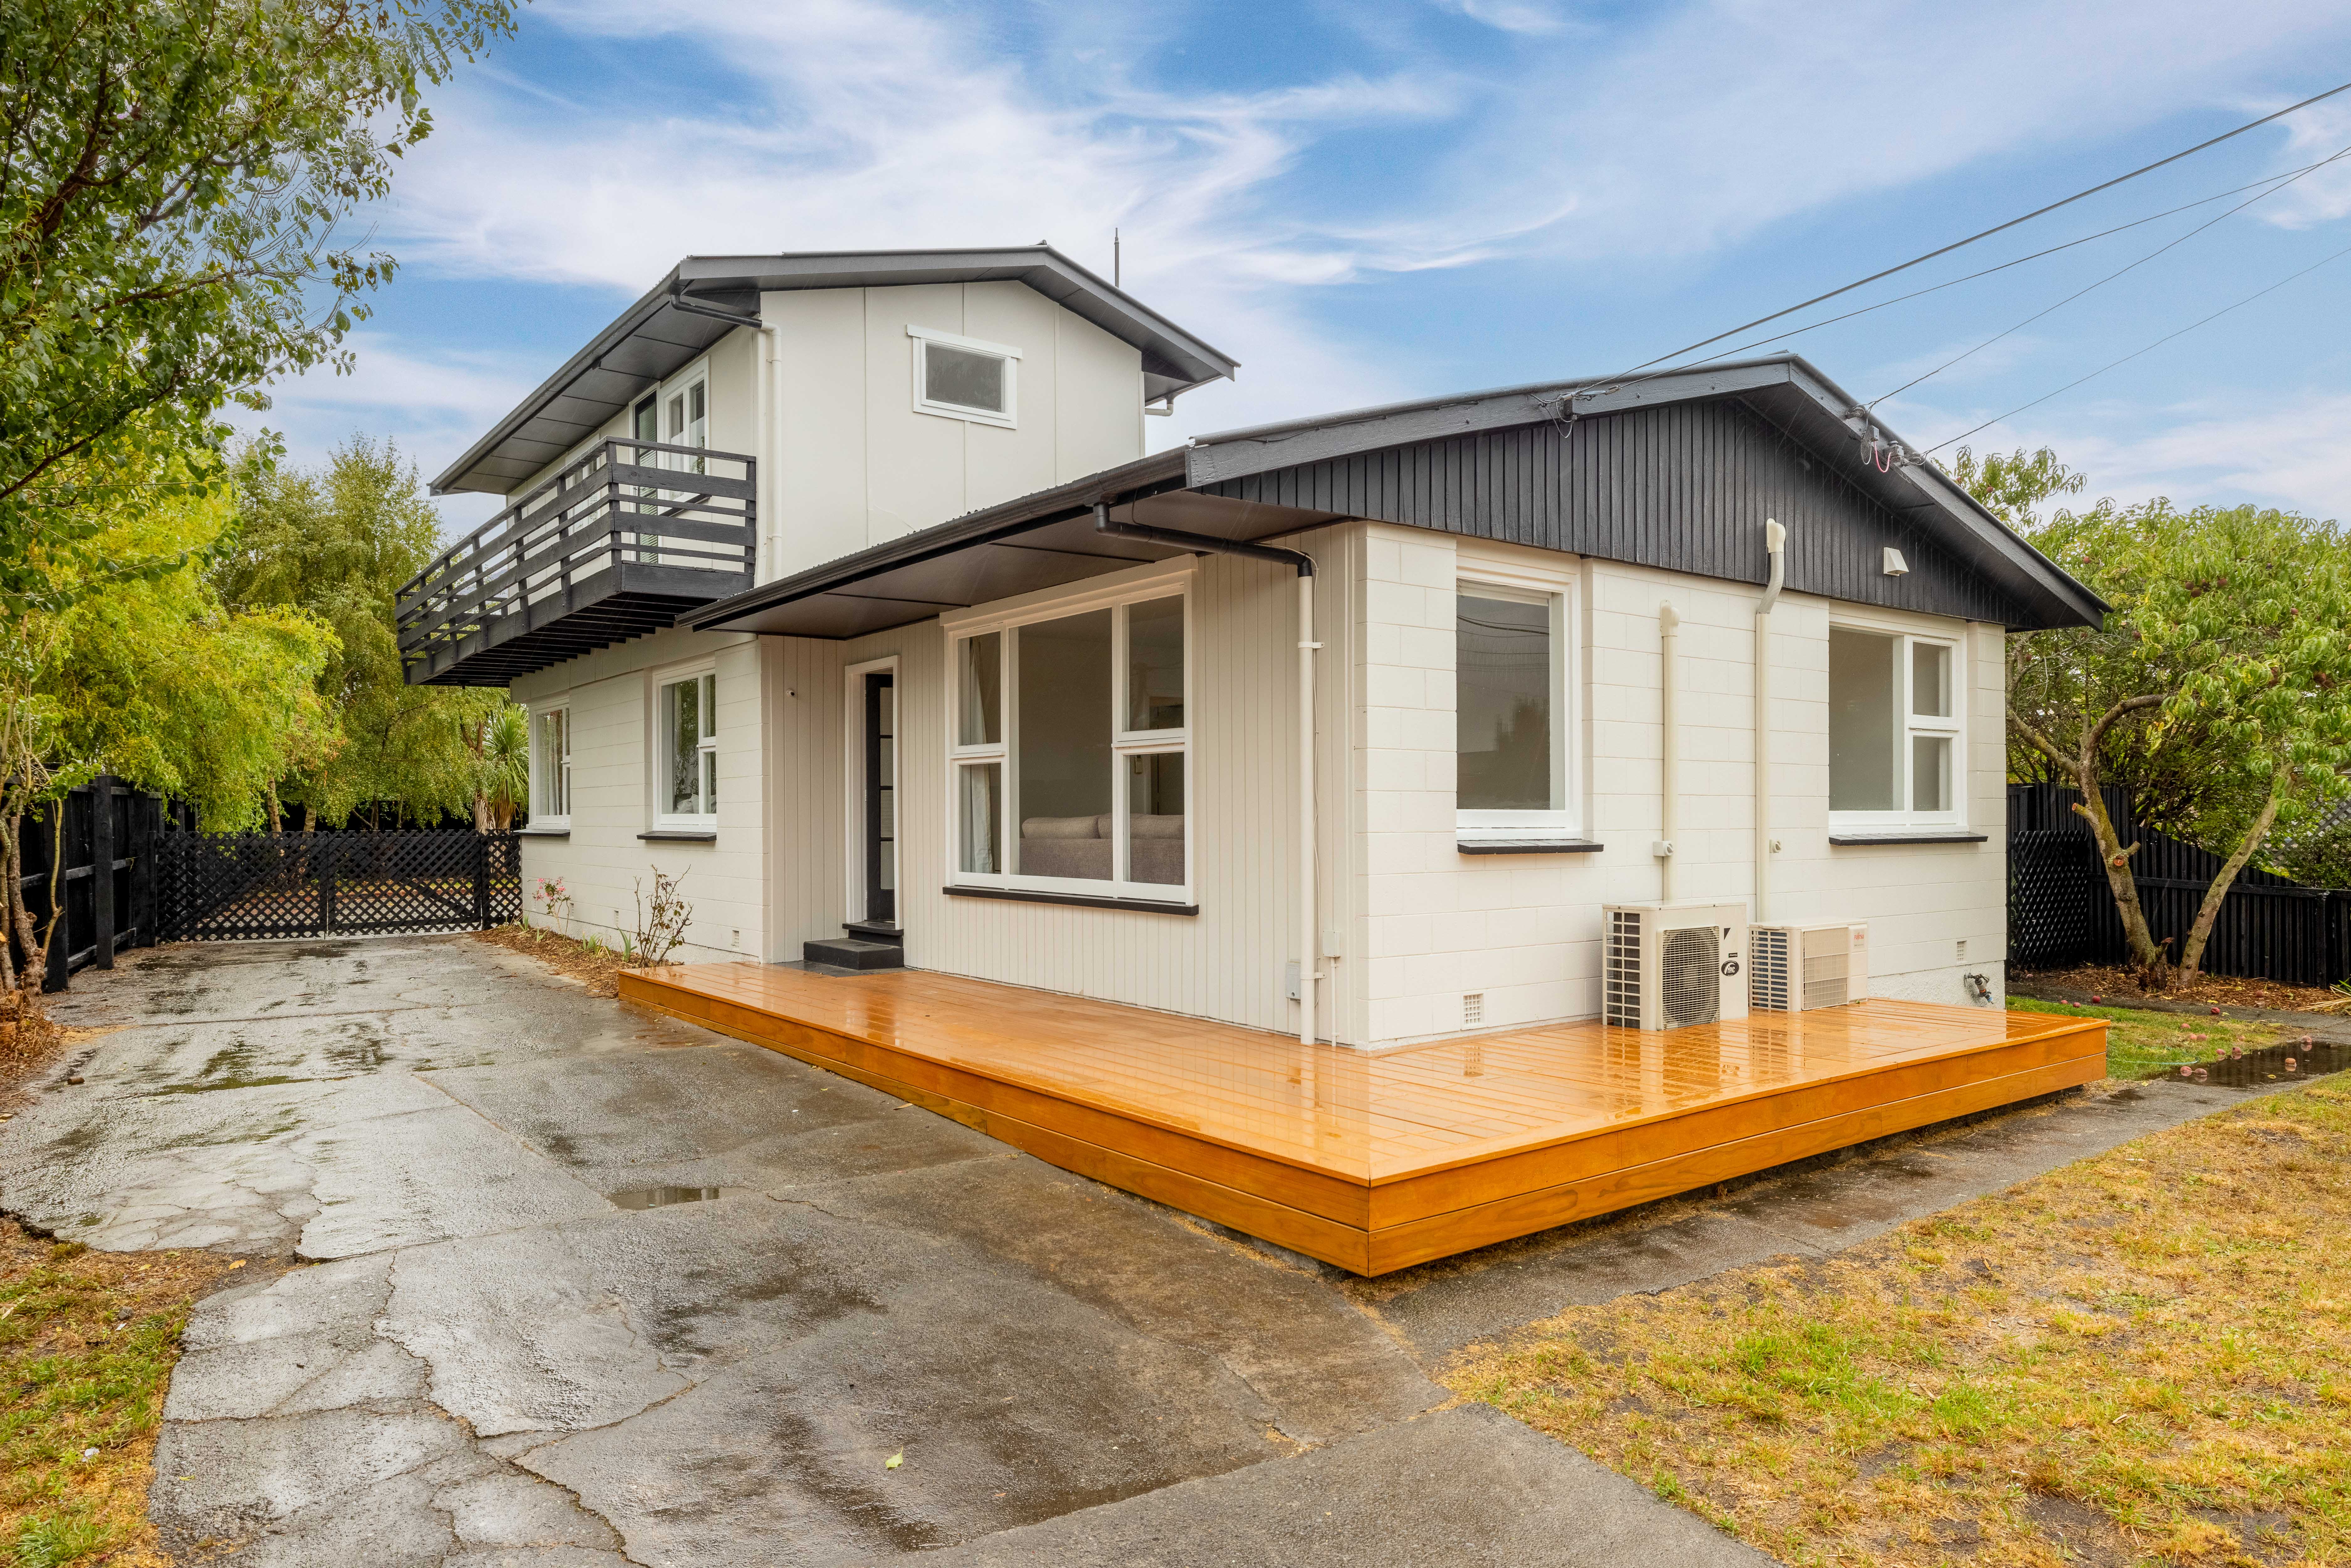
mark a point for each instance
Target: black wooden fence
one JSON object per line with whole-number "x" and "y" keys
{"x": 2060, "y": 910}
{"x": 130, "y": 871}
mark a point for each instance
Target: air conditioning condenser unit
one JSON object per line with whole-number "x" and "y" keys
{"x": 1795, "y": 966}
{"x": 1669, "y": 966}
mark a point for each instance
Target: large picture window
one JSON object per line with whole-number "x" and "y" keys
{"x": 551, "y": 768}
{"x": 1895, "y": 757}
{"x": 1070, "y": 743}
{"x": 1512, "y": 711}
{"x": 688, "y": 788}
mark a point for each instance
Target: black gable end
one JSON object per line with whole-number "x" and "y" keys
{"x": 1684, "y": 486}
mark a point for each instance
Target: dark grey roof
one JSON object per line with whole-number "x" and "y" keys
{"x": 654, "y": 337}
{"x": 1486, "y": 464}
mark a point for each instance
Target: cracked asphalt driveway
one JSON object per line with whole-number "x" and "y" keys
{"x": 543, "y": 1279}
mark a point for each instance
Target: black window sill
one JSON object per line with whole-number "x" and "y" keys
{"x": 1081, "y": 899}
{"x": 680, "y": 836}
{"x": 542, "y": 832}
{"x": 1527, "y": 846}
{"x": 1956, "y": 836}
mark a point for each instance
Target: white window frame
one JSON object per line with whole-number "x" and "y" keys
{"x": 705, "y": 746}
{"x": 680, "y": 387}
{"x": 1530, "y": 582}
{"x": 1167, "y": 580}
{"x": 561, "y": 764}
{"x": 1908, "y": 724}
{"x": 924, "y": 337}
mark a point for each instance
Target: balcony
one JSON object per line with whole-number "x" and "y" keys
{"x": 621, "y": 543}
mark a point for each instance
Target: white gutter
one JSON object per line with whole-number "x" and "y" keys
{"x": 770, "y": 449}
{"x": 1310, "y": 944}
{"x": 1775, "y": 543}
{"x": 1669, "y": 623}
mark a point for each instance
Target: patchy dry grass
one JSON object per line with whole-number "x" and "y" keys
{"x": 596, "y": 967}
{"x": 87, "y": 1343}
{"x": 2141, "y": 1043}
{"x": 2141, "y": 1357}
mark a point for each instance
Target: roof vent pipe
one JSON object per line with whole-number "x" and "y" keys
{"x": 1775, "y": 544}
{"x": 1303, "y": 564}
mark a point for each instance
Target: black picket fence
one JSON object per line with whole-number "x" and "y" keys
{"x": 2061, "y": 910}
{"x": 130, "y": 871}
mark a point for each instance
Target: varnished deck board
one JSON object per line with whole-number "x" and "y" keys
{"x": 1377, "y": 1161}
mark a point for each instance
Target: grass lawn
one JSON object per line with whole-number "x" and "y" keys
{"x": 87, "y": 1343}
{"x": 2142, "y": 1043}
{"x": 2142, "y": 1357}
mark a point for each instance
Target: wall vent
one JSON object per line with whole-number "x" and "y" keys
{"x": 1473, "y": 1009}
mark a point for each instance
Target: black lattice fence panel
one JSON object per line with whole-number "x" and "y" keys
{"x": 225, "y": 887}
{"x": 2053, "y": 889}
{"x": 2061, "y": 912}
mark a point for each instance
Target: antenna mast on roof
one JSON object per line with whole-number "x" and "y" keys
{"x": 1114, "y": 258}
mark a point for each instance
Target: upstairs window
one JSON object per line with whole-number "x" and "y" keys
{"x": 551, "y": 768}
{"x": 964, "y": 378}
{"x": 1895, "y": 754}
{"x": 688, "y": 716}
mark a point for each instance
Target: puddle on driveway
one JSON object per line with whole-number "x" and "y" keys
{"x": 663, "y": 1196}
{"x": 2266, "y": 1067}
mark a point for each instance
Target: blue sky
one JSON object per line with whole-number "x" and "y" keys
{"x": 1364, "y": 201}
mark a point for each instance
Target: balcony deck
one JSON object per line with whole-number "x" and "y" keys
{"x": 1376, "y": 1162}
{"x": 620, "y": 544}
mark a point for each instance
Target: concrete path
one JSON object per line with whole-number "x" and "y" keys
{"x": 481, "y": 1329}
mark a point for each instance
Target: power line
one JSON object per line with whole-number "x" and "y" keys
{"x": 2003, "y": 266}
{"x": 1999, "y": 228}
{"x": 2135, "y": 353}
{"x": 2101, "y": 283}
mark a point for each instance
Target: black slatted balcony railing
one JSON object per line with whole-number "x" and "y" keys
{"x": 619, "y": 544}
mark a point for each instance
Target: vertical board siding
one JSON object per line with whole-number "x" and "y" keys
{"x": 1228, "y": 961}
{"x": 1685, "y": 488}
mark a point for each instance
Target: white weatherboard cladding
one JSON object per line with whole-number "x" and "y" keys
{"x": 853, "y": 464}
{"x": 1524, "y": 930}
{"x": 611, "y": 696}
{"x": 1225, "y": 963}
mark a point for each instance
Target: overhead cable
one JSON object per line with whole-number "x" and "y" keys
{"x": 2101, "y": 283}
{"x": 1998, "y": 228}
{"x": 2135, "y": 353}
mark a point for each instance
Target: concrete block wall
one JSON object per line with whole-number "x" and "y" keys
{"x": 1522, "y": 931}
{"x": 602, "y": 860}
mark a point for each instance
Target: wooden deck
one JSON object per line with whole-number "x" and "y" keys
{"x": 1379, "y": 1162}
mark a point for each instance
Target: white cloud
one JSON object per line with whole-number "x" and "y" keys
{"x": 1509, "y": 16}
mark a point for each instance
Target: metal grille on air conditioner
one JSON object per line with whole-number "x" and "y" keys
{"x": 1767, "y": 956}
{"x": 1800, "y": 964}
{"x": 1828, "y": 959}
{"x": 1691, "y": 969}
{"x": 1621, "y": 970}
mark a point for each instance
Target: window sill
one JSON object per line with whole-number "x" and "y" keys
{"x": 1527, "y": 846}
{"x": 1081, "y": 899}
{"x": 1919, "y": 836}
{"x": 542, "y": 832}
{"x": 682, "y": 835}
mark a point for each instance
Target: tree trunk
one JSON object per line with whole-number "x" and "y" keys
{"x": 2192, "y": 957}
{"x": 276, "y": 825}
{"x": 2147, "y": 954}
{"x": 482, "y": 821}
{"x": 11, "y": 829}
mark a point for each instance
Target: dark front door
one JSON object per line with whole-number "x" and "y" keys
{"x": 880, "y": 800}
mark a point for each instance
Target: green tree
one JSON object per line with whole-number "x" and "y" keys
{"x": 171, "y": 180}
{"x": 158, "y": 681}
{"x": 338, "y": 542}
{"x": 2226, "y": 652}
{"x": 2013, "y": 486}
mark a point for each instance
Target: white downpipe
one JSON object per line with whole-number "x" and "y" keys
{"x": 1775, "y": 543}
{"x": 1669, "y": 623}
{"x": 770, "y": 447}
{"x": 1309, "y": 940}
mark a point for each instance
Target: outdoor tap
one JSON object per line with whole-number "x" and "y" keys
{"x": 1979, "y": 987}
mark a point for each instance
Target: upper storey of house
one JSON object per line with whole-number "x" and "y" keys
{"x": 823, "y": 403}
